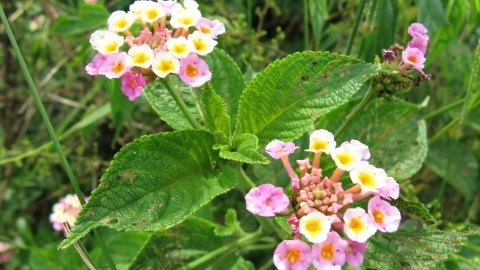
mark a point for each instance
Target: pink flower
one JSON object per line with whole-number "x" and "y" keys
{"x": 292, "y": 255}
{"x": 209, "y": 27}
{"x": 114, "y": 65}
{"x": 329, "y": 253}
{"x": 386, "y": 217}
{"x": 93, "y": 69}
{"x": 414, "y": 57}
{"x": 294, "y": 223}
{"x": 278, "y": 149}
{"x": 359, "y": 226}
{"x": 354, "y": 253}
{"x": 194, "y": 71}
{"x": 267, "y": 200}
{"x": 66, "y": 210}
{"x": 419, "y": 43}
{"x": 391, "y": 190}
{"x": 417, "y": 30}
{"x": 6, "y": 252}
{"x": 132, "y": 85}
{"x": 365, "y": 152}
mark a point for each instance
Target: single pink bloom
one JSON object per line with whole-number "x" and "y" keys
{"x": 330, "y": 253}
{"x": 278, "y": 149}
{"x": 414, "y": 57}
{"x": 386, "y": 217}
{"x": 417, "y": 29}
{"x": 194, "y": 71}
{"x": 209, "y": 27}
{"x": 391, "y": 190}
{"x": 267, "y": 200}
{"x": 355, "y": 253}
{"x": 294, "y": 223}
{"x": 419, "y": 43}
{"x": 292, "y": 255}
{"x": 167, "y": 6}
{"x": 132, "y": 85}
{"x": 93, "y": 68}
{"x": 114, "y": 65}
{"x": 6, "y": 252}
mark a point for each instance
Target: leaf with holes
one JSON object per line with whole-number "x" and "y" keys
{"x": 283, "y": 100}
{"x": 154, "y": 183}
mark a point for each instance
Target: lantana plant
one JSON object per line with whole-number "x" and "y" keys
{"x": 166, "y": 51}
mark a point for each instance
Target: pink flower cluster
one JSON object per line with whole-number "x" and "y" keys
{"x": 6, "y": 252}
{"x": 413, "y": 56}
{"x": 156, "y": 51}
{"x": 66, "y": 210}
{"x": 320, "y": 209}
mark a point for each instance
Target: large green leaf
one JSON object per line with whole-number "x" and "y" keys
{"x": 164, "y": 104}
{"x": 421, "y": 249}
{"x": 184, "y": 243}
{"x": 391, "y": 128}
{"x": 91, "y": 17}
{"x": 154, "y": 183}
{"x": 227, "y": 80}
{"x": 283, "y": 100}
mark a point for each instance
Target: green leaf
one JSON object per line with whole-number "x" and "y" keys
{"x": 184, "y": 243}
{"x": 431, "y": 13}
{"x": 382, "y": 34}
{"x": 214, "y": 111}
{"x": 392, "y": 130}
{"x": 446, "y": 157}
{"x": 413, "y": 250}
{"x": 318, "y": 13}
{"x": 283, "y": 100}
{"x": 164, "y": 104}
{"x": 227, "y": 80}
{"x": 154, "y": 183}
{"x": 91, "y": 17}
{"x": 245, "y": 150}
{"x": 231, "y": 224}
{"x": 415, "y": 210}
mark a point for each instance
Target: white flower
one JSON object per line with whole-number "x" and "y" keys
{"x": 368, "y": 176}
{"x": 106, "y": 42}
{"x": 321, "y": 141}
{"x": 180, "y": 47}
{"x": 203, "y": 44}
{"x": 315, "y": 227}
{"x": 164, "y": 64}
{"x": 139, "y": 56}
{"x": 120, "y": 21}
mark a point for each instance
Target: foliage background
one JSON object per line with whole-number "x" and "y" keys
{"x": 94, "y": 120}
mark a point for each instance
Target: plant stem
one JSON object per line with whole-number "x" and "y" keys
{"x": 437, "y": 135}
{"x": 444, "y": 109}
{"x": 39, "y": 105}
{"x": 180, "y": 103}
{"x": 305, "y": 25}
{"x": 366, "y": 99}
{"x": 252, "y": 237}
{"x": 358, "y": 16}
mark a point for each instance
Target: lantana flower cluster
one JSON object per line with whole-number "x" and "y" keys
{"x": 405, "y": 59}
{"x": 171, "y": 39}
{"x": 6, "y": 252}
{"x": 66, "y": 210}
{"x": 327, "y": 230}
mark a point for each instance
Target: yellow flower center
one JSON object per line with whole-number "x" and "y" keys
{"x": 319, "y": 145}
{"x": 378, "y": 216}
{"x": 356, "y": 225}
{"x": 165, "y": 66}
{"x": 191, "y": 71}
{"x": 345, "y": 158}
{"x": 186, "y": 21}
{"x": 121, "y": 23}
{"x": 140, "y": 58}
{"x": 200, "y": 45}
{"x": 205, "y": 29}
{"x": 179, "y": 48}
{"x": 327, "y": 251}
{"x": 111, "y": 47}
{"x": 292, "y": 255}
{"x": 152, "y": 14}
{"x": 313, "y": 226}
{"x": 367, "y": 179}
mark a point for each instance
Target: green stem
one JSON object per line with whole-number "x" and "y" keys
{"x": 444, "y": 109}
{"x": 250, "y": 238}
{"x": 358, "y": 16}
{"x": 366, "y": 99}
{"x": 305, "y": 24}
{"x": 250, "y": 29}
{"x": 439, "y": 134}
{"x": 39, "y": 105}
{"x": 180, "y": 103}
